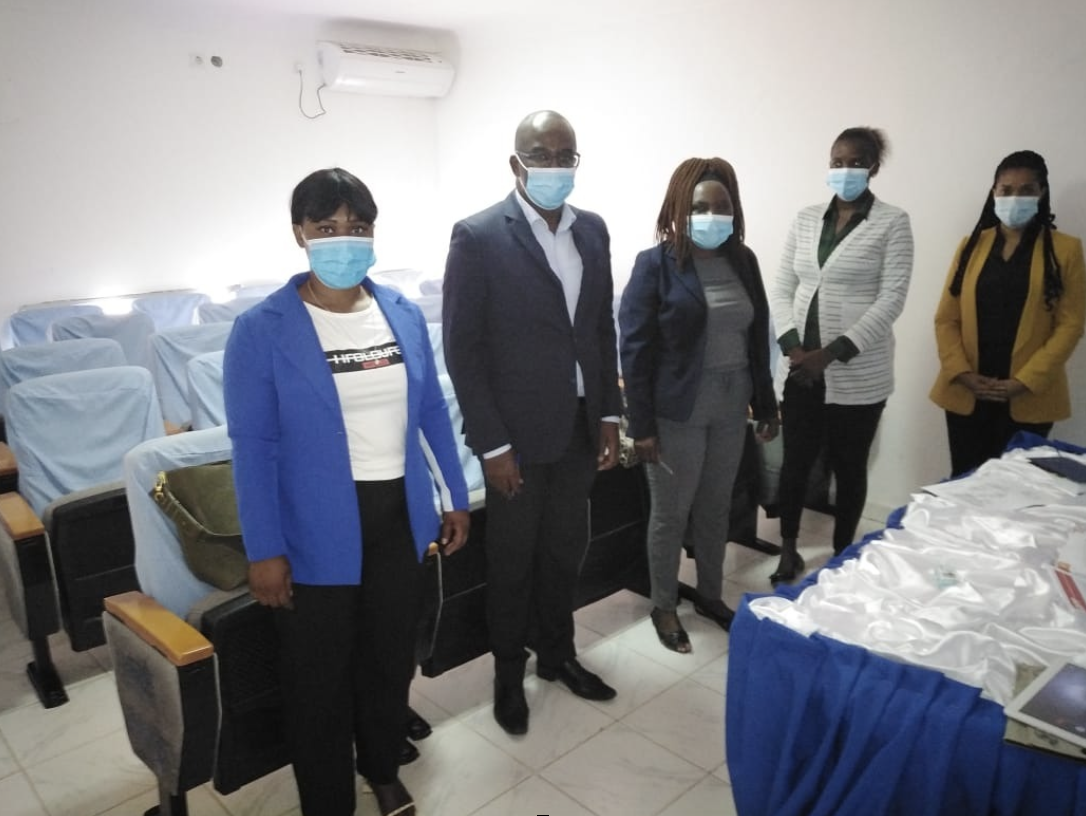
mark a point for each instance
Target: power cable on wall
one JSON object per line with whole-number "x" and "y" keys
{"x": 301, "y": 92}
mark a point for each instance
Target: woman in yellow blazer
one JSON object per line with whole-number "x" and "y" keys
{"x": 1009, "y": 318}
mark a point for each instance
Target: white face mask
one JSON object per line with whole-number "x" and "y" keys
{"x": 848, "y": 183}
{"x": 1016, "y": 211}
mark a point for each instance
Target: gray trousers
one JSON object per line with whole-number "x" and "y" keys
{"x": 703, "y": 455}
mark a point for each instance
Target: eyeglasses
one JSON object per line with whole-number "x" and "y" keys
{"x": 544, "y": 158}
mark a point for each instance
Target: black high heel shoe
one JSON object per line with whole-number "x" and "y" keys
{"x": 677, "y": 640}
{"x": 790, "y": 572}
{"x": 716, "y": 611}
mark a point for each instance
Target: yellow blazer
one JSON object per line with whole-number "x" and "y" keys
{"x": 1044, "y": 342}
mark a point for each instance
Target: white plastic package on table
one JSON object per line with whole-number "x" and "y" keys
{"x": 967, "y": 587}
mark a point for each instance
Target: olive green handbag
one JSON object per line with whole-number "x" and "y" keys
{"x": 200, "y": 501}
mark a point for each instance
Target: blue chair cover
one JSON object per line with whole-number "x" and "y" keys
{"x": 222, "y": 312}
{"x": 256, "y": 290}
{"x": 170, "y": 309}
{"x": 160, "y": 567}
{"x": 205, "y": 390}
{"x": 171, "y": 351}
{"x": 71, "y": 431}
{"x": 431, "y": 307}
{"x": 133, "y": 331}
{"x": 431, "y": 287}
{"x": 31, "y": 325}
{"x": 40, "y": 359}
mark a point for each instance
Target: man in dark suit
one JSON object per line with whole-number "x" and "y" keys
{"x": 530, "y": 346}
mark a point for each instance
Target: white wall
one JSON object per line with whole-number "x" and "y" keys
{"x": 768, "y": 86}
{"x": 125, "y": 168}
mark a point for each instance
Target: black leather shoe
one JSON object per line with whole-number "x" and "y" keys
{"x": 578, "y": 679}
{"x": 788, "y": 570}
{"x": 408, "y": 752}
{"x": 417, "y": 727}
{"x": 716, "y": 611}
{"x": 510, "y": 707}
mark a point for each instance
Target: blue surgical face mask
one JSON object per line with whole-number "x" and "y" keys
{"x": 549, "y": 187}
{"x": 709, "y": 231}
{"x": 1016, "y": 211}
{"x": 340, "y": 262}
{"x": 848, "y": 183}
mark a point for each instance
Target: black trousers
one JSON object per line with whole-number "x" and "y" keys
{"x": 347, "y": 659}
{"x": 848, "y": 431}
{"x": 984, "y": 434}
{"x": 535, "y": 545}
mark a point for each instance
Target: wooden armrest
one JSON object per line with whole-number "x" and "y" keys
{"x": 8, "y": 465}
{"x": 158, "y": 626}
{"x": 18, "y": 518}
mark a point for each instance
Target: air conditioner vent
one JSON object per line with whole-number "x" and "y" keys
{"x": 377, "y": 69}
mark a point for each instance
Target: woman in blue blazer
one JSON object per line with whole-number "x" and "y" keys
{"x": 340, "y": 434}
{"x": 695, "y": 362}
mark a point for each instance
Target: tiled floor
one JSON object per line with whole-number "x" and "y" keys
{"x": 656, "y": 750}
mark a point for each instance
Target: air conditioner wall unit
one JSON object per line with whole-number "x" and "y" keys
{"x": 382, "y": 70}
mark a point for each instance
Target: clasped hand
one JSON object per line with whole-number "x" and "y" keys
{"x": 991, "y": 389}
{"x": 807, "y": 367}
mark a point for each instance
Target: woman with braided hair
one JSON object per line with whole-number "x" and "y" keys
{"x": 1009, "y": 318}
{"x": 695, "y": 362}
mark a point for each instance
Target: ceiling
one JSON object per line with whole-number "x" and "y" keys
{"x": 453, "y": 15}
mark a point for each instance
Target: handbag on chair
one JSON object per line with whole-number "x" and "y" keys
{"x": 200, "y": 501}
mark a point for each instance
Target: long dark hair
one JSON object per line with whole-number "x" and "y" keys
{"x": 1045, "y": 222}
{"x": 675, "y": 211}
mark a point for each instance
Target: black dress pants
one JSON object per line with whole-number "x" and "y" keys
{"x": 347, "y": 659}
{"x": 984, "y": 434}
{"x": 535, "y": 545}
{"x": 848, "y": 431}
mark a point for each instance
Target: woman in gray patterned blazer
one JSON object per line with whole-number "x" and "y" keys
{"x": 841, "y": 285}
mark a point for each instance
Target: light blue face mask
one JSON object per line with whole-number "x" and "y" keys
{"x": 848, "y": 183}
{"x": 340, "y": 262}
{"x": 549, "y": 187}
{"x": 1016, "y": 211}
{"x": 709, "y": 231}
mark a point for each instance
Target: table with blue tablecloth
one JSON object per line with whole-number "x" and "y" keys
{"x": 832, "y": 712}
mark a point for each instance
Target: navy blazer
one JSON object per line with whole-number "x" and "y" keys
{"x": 292, "y": 469}
{"x": 662, "y": 321}
{"x": 509, "y": 345}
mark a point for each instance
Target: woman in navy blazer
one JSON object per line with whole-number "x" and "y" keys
{"x": 695, "y": 362}
{"x": 340, "y": 433}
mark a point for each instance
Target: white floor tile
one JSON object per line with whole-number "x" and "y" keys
{"x": 200, "y": 802}
{"x": 558, "y": 722}
{"x": 92, "y": 778}
{"x": 92, "y": 711}
{"x": 714, "y": 675}
{"x": 461, "y": 689}
{"x": 16, "y": 653}
{"x": 8, "y": 764}
{"x": 636, "y": 678}
{"x": 533, "y": 796}
{"x": 621, "y": 773}
{"x": 614, "y": 613}
{"x": 271, "y": 795}
{"x": 710, "y": 795}
{"x": 707, "y": 640}
{"x": 688, "y": 720}
{"x": 18, "y": 797}
{"x": 459, "y": 772}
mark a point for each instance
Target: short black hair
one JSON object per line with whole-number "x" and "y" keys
{"x": 871, "y": 141}
{"x": 322, "y": 192}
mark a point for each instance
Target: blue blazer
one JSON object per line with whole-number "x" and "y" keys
{"x": 509, "y": 345}
{"x": 662, "y": 321}
{"x": 292, "y": 470}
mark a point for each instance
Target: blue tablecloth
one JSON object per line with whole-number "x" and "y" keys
{"x": 815, "y": 726}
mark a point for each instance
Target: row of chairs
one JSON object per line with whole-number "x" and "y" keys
{"x": 149, "y": 313}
